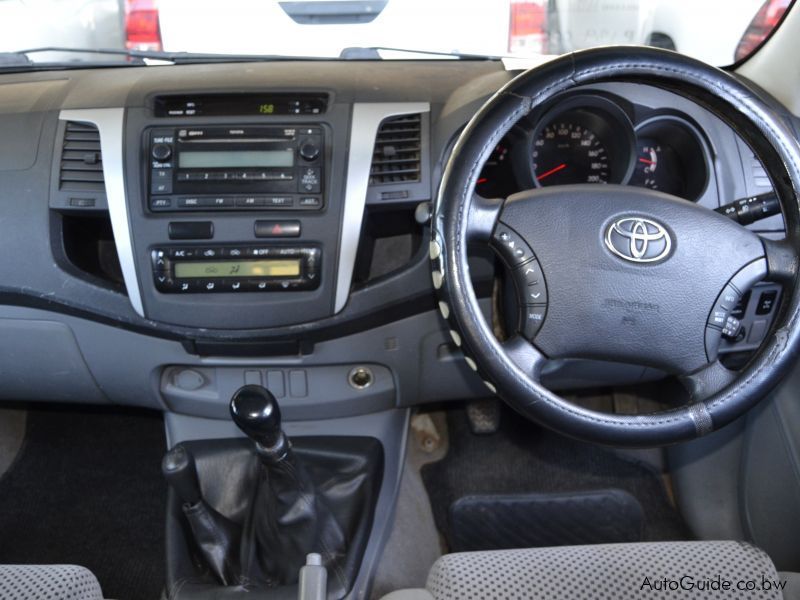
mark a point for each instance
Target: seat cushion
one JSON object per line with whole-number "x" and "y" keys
{"x": 615, "y": 571}
{"x": 48, "y": 582}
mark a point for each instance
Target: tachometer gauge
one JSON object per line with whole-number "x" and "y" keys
{"x": 566, "y": 152}
{"x": 496, "y": 179}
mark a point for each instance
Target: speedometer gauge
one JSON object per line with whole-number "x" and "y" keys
{"x": 568, "y": 152}
{"x": 583, "y": 139}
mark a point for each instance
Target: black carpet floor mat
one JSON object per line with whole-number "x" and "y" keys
{"x": 86, "y": 489}
{"x": 523, "y": 458}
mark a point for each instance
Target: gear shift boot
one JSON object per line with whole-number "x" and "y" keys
{"x": 283, "y": 513}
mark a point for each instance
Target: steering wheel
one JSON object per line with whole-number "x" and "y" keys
{"x": 619, "y": 273}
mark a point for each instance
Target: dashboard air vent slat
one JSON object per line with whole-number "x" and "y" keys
{"x": 81, "y": 160}
{"x": 397, "y": 154}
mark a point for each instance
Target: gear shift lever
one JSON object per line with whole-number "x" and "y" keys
{"x": 255, "y": 411}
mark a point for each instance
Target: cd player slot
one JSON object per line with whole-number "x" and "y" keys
{"x": 238, "y": 140}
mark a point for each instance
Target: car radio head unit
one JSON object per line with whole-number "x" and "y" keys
{"x": 236, "y": 168}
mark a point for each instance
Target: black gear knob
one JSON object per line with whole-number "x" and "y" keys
{"x": 255, "y": 411}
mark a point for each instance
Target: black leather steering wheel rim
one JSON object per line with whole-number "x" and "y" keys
{"x": 511, "y": 370}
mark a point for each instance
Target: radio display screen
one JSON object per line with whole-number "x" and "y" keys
{"x": 223, "y": 159}
{"x": 238, "y": 268}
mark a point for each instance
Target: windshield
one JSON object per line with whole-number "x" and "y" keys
{"x": 719, "y": 32}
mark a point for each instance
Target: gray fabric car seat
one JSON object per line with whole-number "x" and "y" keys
{"x": 606, "y": 571}
{"x": 48, "y": 582}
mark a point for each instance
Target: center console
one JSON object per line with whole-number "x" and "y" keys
{"x": 236, "y": 204}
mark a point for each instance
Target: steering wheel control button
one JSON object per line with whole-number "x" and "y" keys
{"x": 732, "y": 329}
{"x": 723, "y": 307}
{"x": 530, "y": 283}
{"x": 511, "y": 246}
{"x": 532, "y": 319}
{"x": 766, "y": 302}
{"x": 729, "y": 298}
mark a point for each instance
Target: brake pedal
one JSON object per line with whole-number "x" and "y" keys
{"x": 484, "y": 416}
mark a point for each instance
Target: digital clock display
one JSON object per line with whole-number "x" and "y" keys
{"x": 238, "y": 269}
{"x": 211, "y": 105}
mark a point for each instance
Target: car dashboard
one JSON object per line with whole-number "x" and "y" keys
{"x": 174, "y": 232}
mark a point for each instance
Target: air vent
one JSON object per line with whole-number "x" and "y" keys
{"x": 397, "y": 154}
{"x": 81, "y": 161}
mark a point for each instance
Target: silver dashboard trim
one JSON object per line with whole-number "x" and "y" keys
{"x": 110, "y": 123}
{"x": 367, "y": 117}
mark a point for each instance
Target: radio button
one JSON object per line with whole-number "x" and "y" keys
{"x": 161, "y": 187}
{"x": 250, "y": 202}
{"x": 279, "y": 202}
{"x": 310, "y": 180}
{"x": 217, "y": 202}
{"x": 163, "y": 203}
{"x": 192, "y": 202}
{"x": 161, "y": 181}
{"x": 310, "y": 202}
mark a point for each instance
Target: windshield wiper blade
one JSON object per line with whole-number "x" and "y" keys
{"x": 172, "y": 57}
{"x": 373, "y": 53}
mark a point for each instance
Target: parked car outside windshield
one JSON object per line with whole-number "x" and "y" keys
{"x": 716, "y": 31}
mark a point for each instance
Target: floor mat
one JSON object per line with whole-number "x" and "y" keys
{"x": 86, "y": 489}
{"x": 502, "y": 521}
{"x": 523, "y": 458}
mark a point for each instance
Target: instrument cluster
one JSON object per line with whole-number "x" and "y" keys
{"x": 592, "y": 138}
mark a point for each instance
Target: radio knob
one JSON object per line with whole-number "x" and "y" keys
{"x": 161, "y": 152}
{"x": 309, "y": 151}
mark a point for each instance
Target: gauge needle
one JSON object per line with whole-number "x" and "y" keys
{"x": 646, "y": 161}
{"x": 551, "y": 171}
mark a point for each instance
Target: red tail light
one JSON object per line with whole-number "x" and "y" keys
{"x": 767, "y": 18}
{"x": 142, "y": 29}
{"x": 527, "y": 33}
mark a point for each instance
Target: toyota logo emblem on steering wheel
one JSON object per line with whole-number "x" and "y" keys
{"x": 638, "y": 240}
